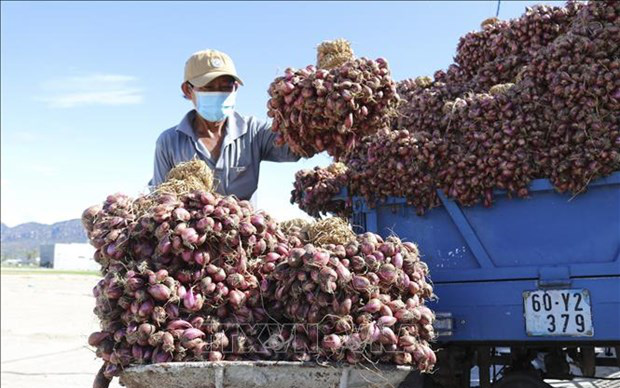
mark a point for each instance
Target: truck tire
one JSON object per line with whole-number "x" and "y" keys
{"x": 521, "y": 380}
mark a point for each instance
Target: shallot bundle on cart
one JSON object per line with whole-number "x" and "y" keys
{"x": 192, "y": 275}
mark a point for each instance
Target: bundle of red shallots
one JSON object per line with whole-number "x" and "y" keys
{"x": 181, "y": 279}
{"x": 361, "y": 300}
{"x": 487, "y": 150}
{"x": 397, "y": 164}
{"x": 315, "y": 190}
{"x": 317, "y": 110}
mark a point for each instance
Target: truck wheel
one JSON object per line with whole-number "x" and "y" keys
{"x": 521, "y": 380}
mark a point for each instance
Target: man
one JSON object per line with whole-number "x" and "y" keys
{"x": 232, "y": 145}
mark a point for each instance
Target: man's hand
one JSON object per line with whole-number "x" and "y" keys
{"x": 100, "y": 380}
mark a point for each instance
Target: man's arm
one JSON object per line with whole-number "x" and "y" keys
{"x": 162, "y": 164}
{"x": 270, "y": 151}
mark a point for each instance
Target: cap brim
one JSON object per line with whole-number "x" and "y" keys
{"x": 206, "y": 78}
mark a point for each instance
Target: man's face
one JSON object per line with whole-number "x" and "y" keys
{"x": 224, "y": 83}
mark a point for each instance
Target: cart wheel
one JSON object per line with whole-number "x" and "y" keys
{"x": 521, "y": 380}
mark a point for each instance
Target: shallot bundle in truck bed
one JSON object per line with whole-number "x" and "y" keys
{"x": 530, "y": 98}
{"x": 190, "y": 275}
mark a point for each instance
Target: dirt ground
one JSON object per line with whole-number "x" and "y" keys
{"x": 47, "y": 318}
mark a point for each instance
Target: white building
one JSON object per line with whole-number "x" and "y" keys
{"x": 73, "y": 256}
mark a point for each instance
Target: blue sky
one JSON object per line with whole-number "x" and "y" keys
{"x": 88, "y": 86}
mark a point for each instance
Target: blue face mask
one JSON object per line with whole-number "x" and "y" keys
{"x": 215, "y": 106}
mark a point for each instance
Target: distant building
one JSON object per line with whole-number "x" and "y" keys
{"x": 74, "y": 256}
{"x": 13, "y": 262}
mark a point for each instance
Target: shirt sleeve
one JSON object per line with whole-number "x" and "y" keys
{"x": 162, "y": 163}
{"x": 269, "y": 151}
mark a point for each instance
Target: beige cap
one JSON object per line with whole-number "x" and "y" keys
{"x": 205, "y": 66}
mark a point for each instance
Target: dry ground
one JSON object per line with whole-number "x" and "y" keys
{"x": 46, "y": 319}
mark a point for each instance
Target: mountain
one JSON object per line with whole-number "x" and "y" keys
{"x": 25, "y": 239}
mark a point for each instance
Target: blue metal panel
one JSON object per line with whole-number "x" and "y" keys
{"x": 439, "y": 239}
{"x": 493, "y": 311}
{"x": 466, "y": 230}
{"x": 514, "y": 237}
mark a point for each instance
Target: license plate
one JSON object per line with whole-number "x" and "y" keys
{"x": 558, "y": 313}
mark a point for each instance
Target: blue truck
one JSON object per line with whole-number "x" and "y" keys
{"x": 525, "y": 281}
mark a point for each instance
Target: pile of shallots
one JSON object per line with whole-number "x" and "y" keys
{"x": 201, "y": 276}
{"x": 530, "y": 98}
